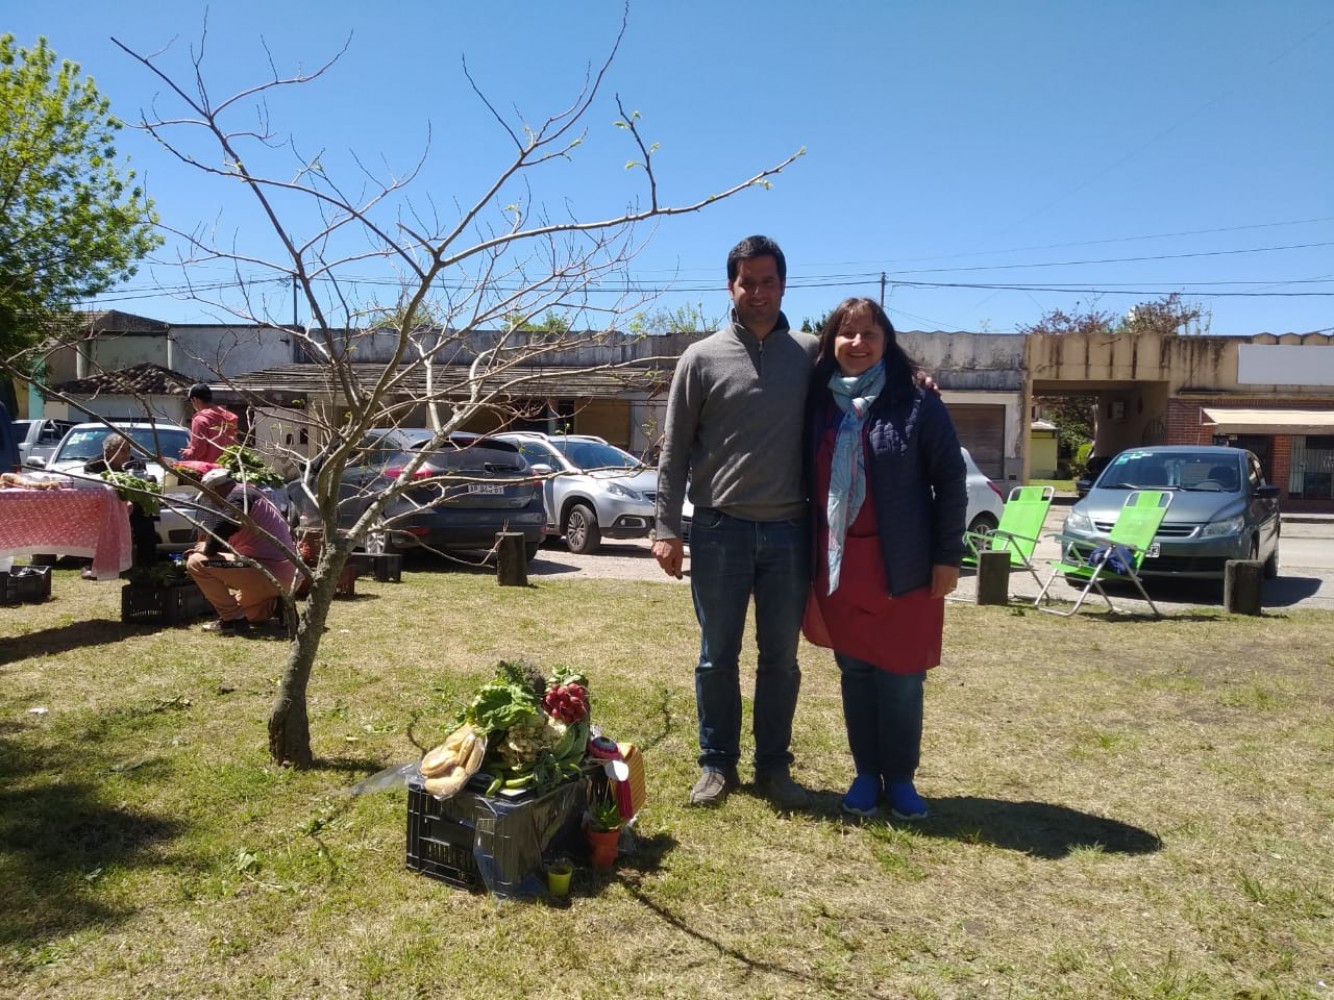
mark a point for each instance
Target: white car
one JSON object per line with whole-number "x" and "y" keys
{"x": 985, "y": 501}
{"x": 82, "y": 444}
{"x": 592, "y": 490}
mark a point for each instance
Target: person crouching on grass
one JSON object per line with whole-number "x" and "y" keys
{"x": 240, "y": 593}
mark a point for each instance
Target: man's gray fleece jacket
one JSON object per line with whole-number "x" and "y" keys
{"x": 734, "y": 427}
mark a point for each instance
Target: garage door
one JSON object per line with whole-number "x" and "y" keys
{"x": 981, "y": 430}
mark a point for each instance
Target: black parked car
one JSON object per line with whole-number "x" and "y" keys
{"x": 1095, "y": 466}
{"x": 471, "y": 488}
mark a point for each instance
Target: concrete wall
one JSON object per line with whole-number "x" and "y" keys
{"x": 206, "y": 352}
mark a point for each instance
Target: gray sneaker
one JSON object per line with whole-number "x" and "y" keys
{"x": 713, "y": 787}
{"x": 778, "y": 787}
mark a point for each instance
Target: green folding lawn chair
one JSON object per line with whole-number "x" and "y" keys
{"x": 1020, "y": 526}
{"x": 1117, "y": 557}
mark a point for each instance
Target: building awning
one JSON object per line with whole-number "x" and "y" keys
{"x": 1229, "y": 421}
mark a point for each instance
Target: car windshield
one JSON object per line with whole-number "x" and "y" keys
{"x": 1172, "y": 471}
{"x": 85, "y": 445}
{"x": 594, "y": 454}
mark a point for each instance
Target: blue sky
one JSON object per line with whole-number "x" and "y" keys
{"x": 1068, "y": 155}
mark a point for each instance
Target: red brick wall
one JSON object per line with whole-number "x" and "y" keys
{"x": 1184, "y": 427}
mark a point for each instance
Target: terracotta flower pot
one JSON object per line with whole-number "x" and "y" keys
{"x": 603, "y": 846}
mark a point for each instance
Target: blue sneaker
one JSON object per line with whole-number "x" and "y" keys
{"x": 863, "y": 798}
{"x": 904, "y": 802}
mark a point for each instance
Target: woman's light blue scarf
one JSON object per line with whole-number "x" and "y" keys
{"x": 847, "y": 472}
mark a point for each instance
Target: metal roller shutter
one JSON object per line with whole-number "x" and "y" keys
{"x": 981, "y": 429}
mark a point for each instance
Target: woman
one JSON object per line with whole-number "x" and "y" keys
{"x": 888, "y": 507}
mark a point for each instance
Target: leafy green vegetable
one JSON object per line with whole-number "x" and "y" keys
{"x": 248, "y": 466}
{"x": 500, "y": 705}
{"x": 146, "y": 494}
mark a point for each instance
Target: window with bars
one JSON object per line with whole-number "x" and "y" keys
{"x": 1312, "y": 473}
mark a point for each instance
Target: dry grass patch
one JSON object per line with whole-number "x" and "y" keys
{"x": 1121, "y": 808}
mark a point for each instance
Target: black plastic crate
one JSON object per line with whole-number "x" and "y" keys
{"x": 175, "y": 604}
{"x": 25, "y": 585}
{"x": 477, "y": 842}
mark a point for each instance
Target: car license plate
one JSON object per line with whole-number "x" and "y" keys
{"x": 491, "y": 488}
{"x": 1154, "y": 551}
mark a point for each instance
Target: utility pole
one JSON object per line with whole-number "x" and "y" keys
{"x": 294, "y": 324}
{"x": 882, "y": 289}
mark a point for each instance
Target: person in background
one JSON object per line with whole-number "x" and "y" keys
{"x": 889, "y": 500}
{"x": 9, "y": 448}
{"x": 117, "y": 456}
{"x": 212, "y": 428}
{"x": 241, "y": 593}
{"x": 734, "y": 429}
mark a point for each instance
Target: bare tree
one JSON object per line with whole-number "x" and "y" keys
{"x": 469, "y": 280}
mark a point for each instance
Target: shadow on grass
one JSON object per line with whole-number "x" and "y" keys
{"x": 1039, "y": 829}
{"x": 63, "y": 638}
{"x": 57, "y": 839}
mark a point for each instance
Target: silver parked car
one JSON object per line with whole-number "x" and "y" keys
{"x": 37, "y": 438}
{"x": 592, "y": 490}
{"x": 1222, "y": 508}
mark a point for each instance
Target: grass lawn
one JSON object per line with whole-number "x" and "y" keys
{"x": 1121, "y": 809}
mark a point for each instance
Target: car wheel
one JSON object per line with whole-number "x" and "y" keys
{"x": 1271, "y": 565}
{"x": 983, "y": 524}
{"x": 582, "y": 534}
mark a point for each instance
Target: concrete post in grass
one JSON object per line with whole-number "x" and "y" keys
{"x": 1243, "y": 583}
{"x": 993, "y": 578}
{"x": 511, "y": 560}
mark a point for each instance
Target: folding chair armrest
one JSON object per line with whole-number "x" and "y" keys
{"x": 1001, "y": 532}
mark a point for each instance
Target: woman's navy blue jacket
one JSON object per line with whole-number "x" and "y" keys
{"x": 915, "y": 474}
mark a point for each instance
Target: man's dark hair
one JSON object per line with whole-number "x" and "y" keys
{"x": 752, "y": 247}
{"x": 200, "y": 390}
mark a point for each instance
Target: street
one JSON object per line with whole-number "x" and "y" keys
{"x": 1306, "y": 570}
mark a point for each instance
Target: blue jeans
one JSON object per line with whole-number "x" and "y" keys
{"x": 731, "y": 559}
{"x": 883, "y": 714}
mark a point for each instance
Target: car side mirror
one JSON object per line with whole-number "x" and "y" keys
{"x": 35, "y": 462}
{"x": 541, "y": 469}
{"x": 1267, "y": 492}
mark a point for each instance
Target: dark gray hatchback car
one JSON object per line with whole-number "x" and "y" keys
{"x": 1221, "y": 509}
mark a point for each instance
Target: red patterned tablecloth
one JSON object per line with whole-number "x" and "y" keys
{"x": 89, "y": 521}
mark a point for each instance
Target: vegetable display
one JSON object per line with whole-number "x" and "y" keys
{"x": 533, "y": 733}
{"x": 146, "y": 494}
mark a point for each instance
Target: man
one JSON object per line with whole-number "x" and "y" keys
{"x": 212, "y": 428}
{"x": 240, "y": 591}
{"x": 734, "y": 430}
{"x": 118, "y": 456}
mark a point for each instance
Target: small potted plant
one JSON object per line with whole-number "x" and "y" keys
{"x": 603, "y": 830}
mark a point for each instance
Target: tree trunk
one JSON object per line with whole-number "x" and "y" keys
{"x": 289, "y": 725}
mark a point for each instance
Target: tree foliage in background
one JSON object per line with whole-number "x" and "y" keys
{"x": 72, "y": 222}
{"x": 682, "y": 319}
